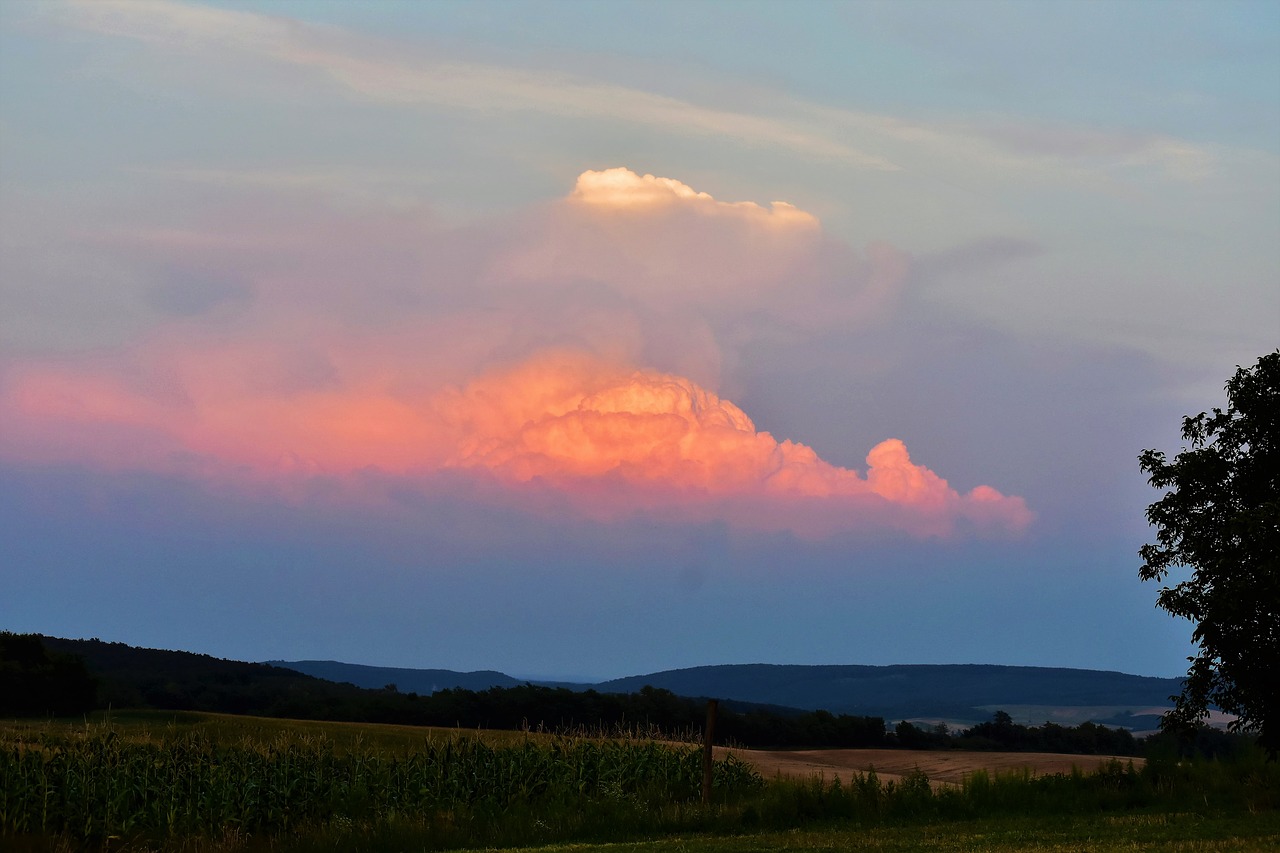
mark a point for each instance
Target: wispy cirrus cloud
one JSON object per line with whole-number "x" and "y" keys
{"x": 364, "y": 70}
{"x": 1014, "y": 148}
{"x": 384, "y": 72}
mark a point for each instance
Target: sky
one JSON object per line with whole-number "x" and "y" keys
{"x": 582, "y": 340}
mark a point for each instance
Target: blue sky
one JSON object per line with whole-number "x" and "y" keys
{"x": 555, "y": 338}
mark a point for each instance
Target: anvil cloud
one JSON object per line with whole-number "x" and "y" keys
{"x": 587, "y": 332}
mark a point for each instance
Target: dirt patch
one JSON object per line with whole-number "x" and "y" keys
{"x": 941, "y": 766}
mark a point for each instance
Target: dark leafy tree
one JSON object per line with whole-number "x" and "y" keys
{"x": 1220, "y": 517}
{"x": 37, "y": 682}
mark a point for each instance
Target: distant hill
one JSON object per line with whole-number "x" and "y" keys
{"x": 159, "y": 678}
{"x": 123, "y": 677}
{"x": 424, "y": 681}
{"x": 333, "y": 690}
{"x": 962, "y": 692}
{"x": 959, "y": 691}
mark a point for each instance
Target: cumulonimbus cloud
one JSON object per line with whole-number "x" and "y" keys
{"x": 569, "y": 420}
{"x": 564, "y": 420}
{"x": 688, "y": 268}
{"x": 293, "y": 386}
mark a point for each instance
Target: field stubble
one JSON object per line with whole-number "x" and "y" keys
{"x": 942, "y": 766}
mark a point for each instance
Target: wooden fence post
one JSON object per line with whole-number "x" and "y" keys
{"x": 708, "y": 738}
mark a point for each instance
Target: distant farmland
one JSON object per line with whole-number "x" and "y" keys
{"x": 164, "y": 781}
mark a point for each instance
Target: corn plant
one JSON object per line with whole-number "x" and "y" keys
{"x": 99, "y": 784}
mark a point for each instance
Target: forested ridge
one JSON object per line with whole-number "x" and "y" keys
{"x": 53, "y": 676}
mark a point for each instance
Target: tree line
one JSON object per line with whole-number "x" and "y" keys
{"x": 1002, "y": 733}
{"x": 53, "y": 677}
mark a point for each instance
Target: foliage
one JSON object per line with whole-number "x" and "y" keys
{"x": 1220, "y": 516}
{"x": 34, "y": 681}
{"x": 184, "y": 790}
{"x": 150, "y": 678}
{"x": 181, "y": 681}
{"x": 224, "y": 784}
{"x": 1244, "y": 783}
{"x": 1002, "y": 733}
{"x": 910, "y": 736}
{"x": 1001, "y": 833}
{"x": 102, "y": 784}
{"x": 1198, "y": 742}
{"x": 1171, "y": 833}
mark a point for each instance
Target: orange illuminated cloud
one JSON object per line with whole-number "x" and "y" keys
{"x": 570, "y": 420}
{"x": 565, "y": 358}
{"x": 612, "y": 439}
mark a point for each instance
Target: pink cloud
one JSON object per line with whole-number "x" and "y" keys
{"x": 549, "y": 363}
{"x": 572, "y": 421}
{"x": 566, "y": 421}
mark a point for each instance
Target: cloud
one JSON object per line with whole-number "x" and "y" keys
{"x": 688, "y": 267}
{"x": 377, "y": 72}
{"x": 978, "y": 256}
{"x": 999, "y": 149}
{"x": 1012, "y": 150}
{"x": 623, "y": 189}
{"x": 612, "y": 439}
{"x": 574, "y": 422}
{"x": 1176, "y": 158}
{"x": 539, "y": 355}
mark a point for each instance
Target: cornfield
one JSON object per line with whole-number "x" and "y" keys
{"x": 101, "y": 784}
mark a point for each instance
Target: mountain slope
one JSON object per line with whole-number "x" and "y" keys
{"x": 923, "y": 691}
{"x": 424, "y": 681}
{"x": 952, "y": 691}
{"x": 160, "y": 678}
{"x": 907, "y": 690}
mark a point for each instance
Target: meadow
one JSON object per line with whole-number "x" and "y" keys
{"x": 161, "y": 781}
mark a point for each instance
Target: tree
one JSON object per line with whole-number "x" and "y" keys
{"x": 37, "y": 682}
{"x": 1220, "y": 517}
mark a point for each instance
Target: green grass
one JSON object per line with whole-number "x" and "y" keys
{"x": 1177, "y": 833}
{"x": 1174, "y": 832}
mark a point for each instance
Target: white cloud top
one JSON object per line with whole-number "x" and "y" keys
{"x": 621, "y": 188}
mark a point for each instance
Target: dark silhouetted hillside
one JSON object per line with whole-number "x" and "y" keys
{"x": 908, "y": 691}
{"x": 172, "y": 680}
{"x": 761, "y": 705}
{"x": 424, "y": 681}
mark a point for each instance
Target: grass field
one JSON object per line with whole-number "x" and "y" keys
{"x": 1158, "y": 832}
{"x": 208, "y": 783}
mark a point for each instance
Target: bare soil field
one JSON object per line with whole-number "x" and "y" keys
{"x": 941, "y": 766}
